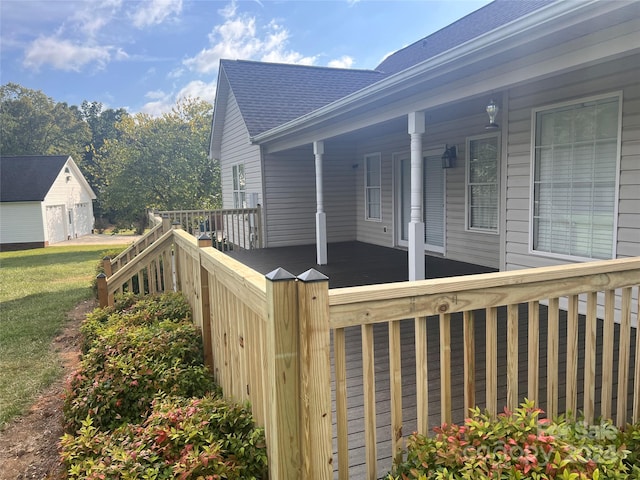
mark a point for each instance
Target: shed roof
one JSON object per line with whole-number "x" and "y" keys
{"x": 28, "y": 178}
{"x": 270, "y": 94}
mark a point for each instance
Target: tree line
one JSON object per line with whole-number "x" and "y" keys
{"x": 133, "y": 162}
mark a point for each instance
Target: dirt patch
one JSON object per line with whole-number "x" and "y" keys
{"x": 29, "y": 444}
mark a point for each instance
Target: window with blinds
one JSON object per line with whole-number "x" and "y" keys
{"x": 482, "y": 183}
{"x": 574, "y": 179}
{"x": 373, "y": 195}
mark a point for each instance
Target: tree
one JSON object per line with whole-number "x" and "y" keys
{"x": 159, "y": 163}
{"x": 33, "y": 124}
{"x": 103, "y": 127}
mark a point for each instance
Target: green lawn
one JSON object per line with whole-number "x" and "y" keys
{"x": 37, "y": 289}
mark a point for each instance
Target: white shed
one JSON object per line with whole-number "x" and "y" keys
{"x": 43, "y": 200}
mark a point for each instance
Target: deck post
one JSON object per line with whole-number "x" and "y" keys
{"x": 283, "y": 377}
{"x": 103, "y": 291}
{"x": 315, "y": 376}
{"x": 416, "y": 225}
{"x": 321, "y": 216}
{"x": 205, "y": 303}
{"x": 106, "y": 266}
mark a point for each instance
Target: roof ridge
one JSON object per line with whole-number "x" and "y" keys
{"x": 300, "y": 65}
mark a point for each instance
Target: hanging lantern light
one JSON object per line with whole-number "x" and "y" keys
{"x": 492, "y": 111}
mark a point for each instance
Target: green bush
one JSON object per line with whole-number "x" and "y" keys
{"x": 183, "y": 438}
{"x": 149, "y": 348}
{"x": 131, "y": 408}
{"x": 629, "y": 439}
{"x": 133, "y": 310}
{"x": 517, "y": 445}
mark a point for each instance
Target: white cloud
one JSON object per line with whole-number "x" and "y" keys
{"x": 91, "y": 17}
{"x": 239, "y": 37}
{"x": 343, "y": 62}
{"x": 153, "y": 12}
{"x": 163, "y": 102}
{"x": 65, "y": 55}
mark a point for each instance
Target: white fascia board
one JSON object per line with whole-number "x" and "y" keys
{"x": 219, "y": 112}
{"x": 518, "y": 32}
{"x": 81, "y": 179}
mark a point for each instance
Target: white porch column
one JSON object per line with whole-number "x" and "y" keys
{"x": 416, "y": 225}
{"x": 321, "y": 217}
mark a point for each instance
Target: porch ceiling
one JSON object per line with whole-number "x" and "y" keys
{"x": 351, "y": 263}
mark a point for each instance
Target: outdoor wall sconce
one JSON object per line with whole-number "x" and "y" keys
{"x": 449, "y": 157}
{"x": 492, "y": 111}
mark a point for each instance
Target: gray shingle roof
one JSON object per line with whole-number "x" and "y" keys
{"x": 28, "y": 178}
{"x": 483, "y": 20}
{"x": 270, "y": 94}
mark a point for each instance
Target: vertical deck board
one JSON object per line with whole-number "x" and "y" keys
{"x": 624, "y": 351}
{"x": 491, "y": 340}
{"x": 607, "y": 352}
{"x": 469, "y": 361}
{"x": 422, "y": 375}
{"x": 553, "y": 335}
{"x": 445, "y": 367}
{"x": 571, "y": 392}
{"x": 369, "y": 378}
{"x": 533, "y": 351}
{"x": 395, "y": 373}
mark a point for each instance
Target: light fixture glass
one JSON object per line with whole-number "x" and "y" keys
{"x": 492, "y": 111}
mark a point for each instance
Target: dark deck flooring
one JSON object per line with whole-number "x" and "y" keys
{"x": 355, "y": 263}
{"x": 351, "y": 263}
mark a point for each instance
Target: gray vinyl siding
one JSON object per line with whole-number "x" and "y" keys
{"x": 607, "y": 78}
{"x": 235, "y": 149}
{"x": 460, "y": 244}
{"x": 290, "y": 188}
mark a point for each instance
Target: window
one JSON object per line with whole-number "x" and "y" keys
{"x": 372, "y": 187}
{"x": 482, "y": 183}
{"x": 239, "y": 198}
{"x": 574, "y": 178}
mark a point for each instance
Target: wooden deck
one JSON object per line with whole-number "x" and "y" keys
{"x": 351, "y": 263}
{"x": 355, "y": 263}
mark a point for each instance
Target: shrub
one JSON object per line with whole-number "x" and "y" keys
{"x": 133, "y": 310}
{"x": 133, "y": 356}
{"x": 182, "y": 438}
{"x": 515, "y": 445}
{"x": 629, "y": 439}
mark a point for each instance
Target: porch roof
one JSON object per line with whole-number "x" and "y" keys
{"x": 351, "y": 263}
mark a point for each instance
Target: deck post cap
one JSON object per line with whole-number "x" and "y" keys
{"x": 279, "y": 274}
{"x": 312, "y": 275}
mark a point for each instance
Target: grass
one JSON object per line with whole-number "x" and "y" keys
{"x": 37, "y": 290}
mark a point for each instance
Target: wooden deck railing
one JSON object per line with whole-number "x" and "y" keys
{"x": 269, "y": 340}
{"x": 227, "y": 228}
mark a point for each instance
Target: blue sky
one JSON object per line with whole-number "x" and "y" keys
{"x": 145, "y": 55}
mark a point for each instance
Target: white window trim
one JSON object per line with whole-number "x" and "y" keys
{"x": 378, "y": 156}
{"x": 233, "y": 186}
{"x": 467, "y": 166}
{"x": 534, "y": 112}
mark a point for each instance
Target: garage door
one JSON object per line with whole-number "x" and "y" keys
{"x": 56, "y": 220}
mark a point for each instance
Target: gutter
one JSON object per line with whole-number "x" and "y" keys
{"x": 518, "y": 28}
